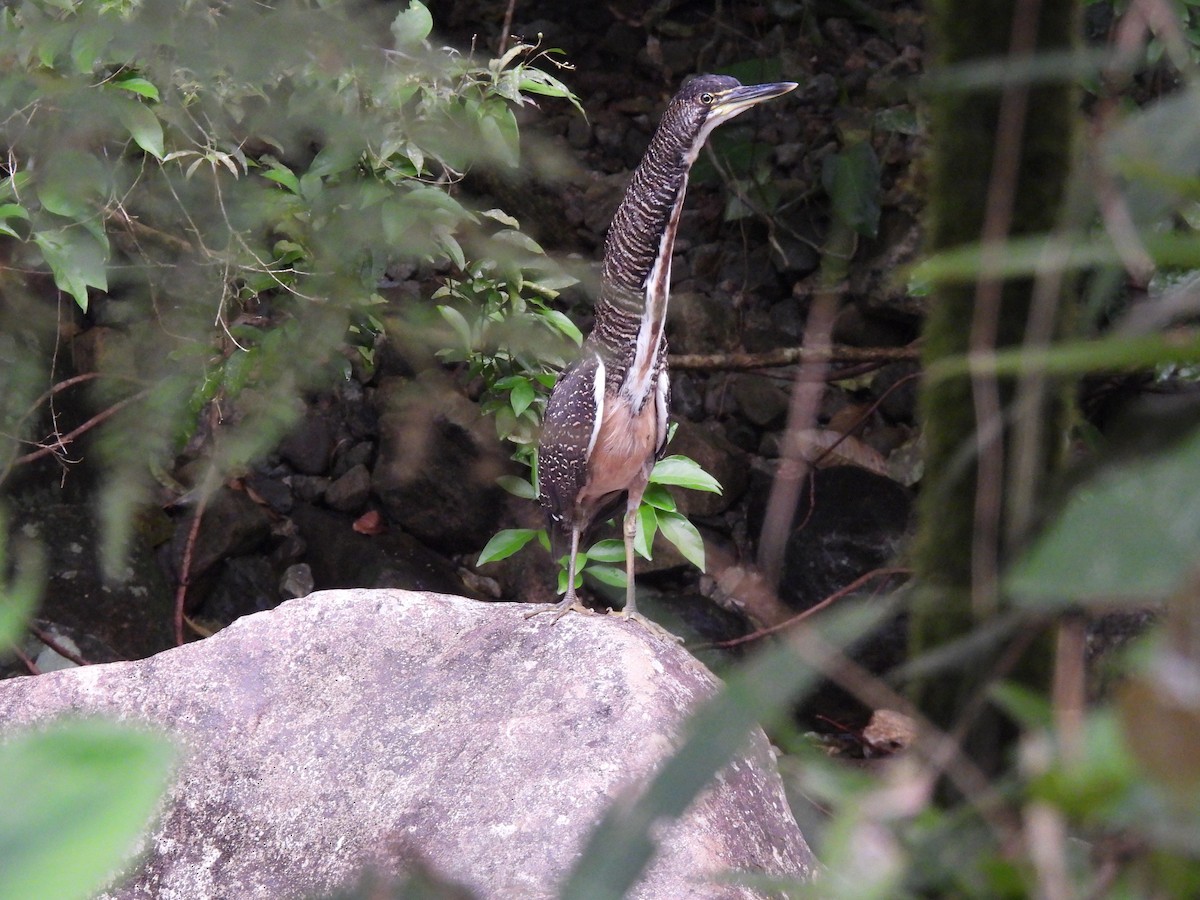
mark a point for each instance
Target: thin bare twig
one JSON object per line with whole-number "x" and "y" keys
{"x": 28, "y": 663}
{"x": 814, "y": 609}
{"x": 185, "y": 566}
{"x": 57, "y": 646}
{"x": 61, "y": 443}
{"x": 787, "y": 356}
{"x": 940, "y": 751}
{"x": 506, "y": 28}
{"x": 985, "y": 321}
{"x": 802, "y": 413}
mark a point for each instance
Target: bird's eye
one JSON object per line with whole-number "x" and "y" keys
{"x": 706, "y": 98}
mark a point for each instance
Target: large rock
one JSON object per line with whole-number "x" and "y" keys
{"x": 365, "y": 728}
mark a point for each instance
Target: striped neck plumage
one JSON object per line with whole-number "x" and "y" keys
{"x": 637, "y": 254}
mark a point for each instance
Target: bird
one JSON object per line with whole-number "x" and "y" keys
{"x": 605, "y": 423}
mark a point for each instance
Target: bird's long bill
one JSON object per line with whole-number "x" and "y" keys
{"x": 741, "y": 98}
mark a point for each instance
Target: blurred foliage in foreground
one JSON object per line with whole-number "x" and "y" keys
{"x": 231, "y": 213}
{"x": 220, "y": 198}
{"x": 220, "y": 190}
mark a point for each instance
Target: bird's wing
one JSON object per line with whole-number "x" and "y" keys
{"x": 570, "y": 427}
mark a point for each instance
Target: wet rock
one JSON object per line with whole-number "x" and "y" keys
{"x": 717, "y": 456}
{"x": 761, "y": 400}
{"x": 357, "y": 729}
{"x": 853, "y": 522}
{"x": 271, "y": 491}
{"x": 232, "y": 525}
{"x": 579, "y": 133}
{"x": 350, "y": 492}
{"x": 900, "y": 405}
{"x": 359, "y": 454}
{"x": 699, "y": 324}
{"x": 243, "y": 585}
{"x": 310, "y": 488}
{"x": 297, "y": 581}
{"x": 308, "y": 447}
{"x": 340, "y": 557}
{"x": 131, "y": 614}
{"x": 438, "y": 463}
{"x": 687, "y": 400}
{"x": 789, "y": 319}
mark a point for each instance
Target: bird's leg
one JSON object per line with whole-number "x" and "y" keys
{"x": 629, "y": 531}
{"x": 569, "y": 601}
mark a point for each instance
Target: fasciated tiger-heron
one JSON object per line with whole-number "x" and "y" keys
{"x": 606, "y": 421}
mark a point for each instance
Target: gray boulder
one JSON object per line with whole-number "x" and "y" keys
{"x": 374, "y": 728}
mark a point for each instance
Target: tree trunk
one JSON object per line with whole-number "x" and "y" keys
{"x": 999, "y": 166}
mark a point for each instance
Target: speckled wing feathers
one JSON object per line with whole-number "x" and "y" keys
{"x": 567, "y": 436}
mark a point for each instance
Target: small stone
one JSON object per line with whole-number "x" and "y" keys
{"x": 297, "y": 581}
{"x": 310, "y": 488}
{"x": 717, "y": 456}
{"x": 360, "y": 454}
{"x": 272, "y": 492}
{"x": 350, "y": 492}
{"x": 308, "y": 447}
{"x": 760, "y": 399}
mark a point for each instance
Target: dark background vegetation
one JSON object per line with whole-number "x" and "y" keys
{"x": 284, "y": 288}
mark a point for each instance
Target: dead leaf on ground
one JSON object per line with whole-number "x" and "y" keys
{"x": 370, "y": 522}
{"x": 826, "y": 448}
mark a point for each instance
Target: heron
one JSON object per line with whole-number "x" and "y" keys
{"x": 606, "y": 421}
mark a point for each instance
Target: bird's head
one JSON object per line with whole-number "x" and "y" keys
{"x": 704, "y": 102}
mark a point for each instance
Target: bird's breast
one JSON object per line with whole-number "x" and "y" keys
{"x": 625, "y": 448}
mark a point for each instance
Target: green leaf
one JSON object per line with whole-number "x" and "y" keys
{"x": 76, "y": 259}
{"x": 679, "y": 530}
{"x": 11, "y": 211}
{"x": 336, "y": 157}
{"x": 143, "y": 126}
{"x": 12, "y": 186}
{"x": 505, "y": 543}
{"x": 459, "y": 324}
{"x": 565, "y": 325}
{"x": 138, "y": 85}
{"x": 685, "y": 472}
{"x": 851, "y": 179}
{"x": 647, "y": 528}
{"x": 521, "y": 395}
{"x": 72, "y": 184}
{"x": 412, "y": 26}
{"x": 517, "y": 486}
{"x": 450, "y": 246}
{"x": 613, "y": 576}
{"x": 281, "y": 174}
{"x": 1023, "y": 704}
{"x": 502, "y": 217}
{"x": 498, "y": 129}
{"x": 609, "y": 550}
{"x": 74, "y": 800}
{"x": 659, "y": 497}
{"x": 1130, "y": 533}
{"x": 1073, "y": 357}
{"x": 18, "y": 597}
{"x": 535, "y": 81}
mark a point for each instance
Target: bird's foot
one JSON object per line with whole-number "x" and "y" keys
{"x": 650, "y": 625}
{"x": 560, "y": 609}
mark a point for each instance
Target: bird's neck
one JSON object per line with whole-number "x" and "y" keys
{"x": 636, "y": 279}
